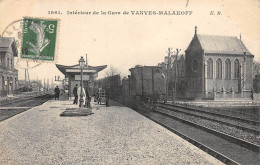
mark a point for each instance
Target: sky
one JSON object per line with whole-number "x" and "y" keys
{"x": 123, "y": 41}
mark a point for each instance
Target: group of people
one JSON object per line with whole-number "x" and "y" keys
{"x": 85, "y": 95}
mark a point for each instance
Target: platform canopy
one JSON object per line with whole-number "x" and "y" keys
{"x": 75, "y": 69}
{"x": 72, "y": 73}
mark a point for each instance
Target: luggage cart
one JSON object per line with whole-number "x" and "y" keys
{"x": 101, "y": 96}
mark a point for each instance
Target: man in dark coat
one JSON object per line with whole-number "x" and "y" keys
{"x": 57, "y": 93}
{"x": 75, "y": 94}
{"x": 87, "y": 98}
{"x": 108, "y": 96}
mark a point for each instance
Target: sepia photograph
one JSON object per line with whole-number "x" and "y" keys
{"x": 149, "y": 82}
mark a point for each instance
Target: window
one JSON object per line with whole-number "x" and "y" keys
{"x": 11, "y": 81}
{"x": 195, "y": 65}
{"x": 11, "y": 63}
{"x": 236, "y": 69}
{"x": 227, "y": 69}
{"x": 209, "y": 68}
{"x": 219, "y": 69}
{"x": 3, "y": 82}
{"x": 2, "y": 58}
{"x": 7, "y": 62}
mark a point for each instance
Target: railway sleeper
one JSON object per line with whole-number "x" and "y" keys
{"x": 237, "y": 141}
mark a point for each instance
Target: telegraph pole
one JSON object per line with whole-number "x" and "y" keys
{"x": 176, "y": 67}
{"x": 47, "y": 84}
{"x": 25, "y": 78}
{"x": 28, "y": 72}
{"x": 169, "y": 52}
{"x": 244, "y": 73}
{"x": 44, "y": 86}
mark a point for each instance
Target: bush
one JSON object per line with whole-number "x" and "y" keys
{"x": 23, "y": 89}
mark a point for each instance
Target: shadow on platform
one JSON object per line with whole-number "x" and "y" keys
{"x": 72, "y": 112}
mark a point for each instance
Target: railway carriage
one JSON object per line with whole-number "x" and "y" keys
{"x": 146, "y": 83}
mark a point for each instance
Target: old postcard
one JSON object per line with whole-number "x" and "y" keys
{"x": 130, "y": 82}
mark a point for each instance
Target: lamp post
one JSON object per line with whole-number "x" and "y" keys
{"x": 81, "y": 65}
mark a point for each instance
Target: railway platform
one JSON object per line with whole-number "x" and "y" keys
{"x": 111, "y": 135}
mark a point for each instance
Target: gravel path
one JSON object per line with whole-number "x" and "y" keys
{"x": 113, "y": 135}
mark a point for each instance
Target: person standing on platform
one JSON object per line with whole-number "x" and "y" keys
{"x": 83, "y": 94}
{"x": 252, "y": 93}
{"x": 108, "y": 96}
{"x": 87, "y": 98}
{"x": 57, "y": 93}
{"x": 75, "y": 94}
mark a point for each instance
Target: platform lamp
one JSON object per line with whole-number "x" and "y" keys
{"x": 81, "y": 65}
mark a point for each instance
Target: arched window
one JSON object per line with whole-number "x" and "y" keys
{"x": 209, "y": 68}
{"x": 2, "y": 58}
{"x": 227, "y": 69}
{"x": 7, "y": 62}
{"x": 3, "y": 83}
{"x": 219, "y": 68}
{"x": 195, "y": 65}
{"x": 236, "y": 69}
{"x": 11, "y": 66}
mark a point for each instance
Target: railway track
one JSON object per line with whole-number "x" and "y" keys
{"x": 12, "y": 107}
{"x": 242, "y": 124}
{"x": 23, "y": 100}
{"x": 226, "y": 148}
{"x": 240, "y": 142}
{"x": 219, "y": 114}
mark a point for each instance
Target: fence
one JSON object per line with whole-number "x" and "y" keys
{"x": 3, "y": 93}
{"x": 245, "y": 95}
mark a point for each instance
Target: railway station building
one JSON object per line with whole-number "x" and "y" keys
{"x": 72, "y": 73}
{"x": 8, "y": 74}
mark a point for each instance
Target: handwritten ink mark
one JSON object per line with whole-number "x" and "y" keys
{"x": 187, "y": 3}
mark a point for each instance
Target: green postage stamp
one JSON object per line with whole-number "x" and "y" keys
{"x": 39, "y": 39}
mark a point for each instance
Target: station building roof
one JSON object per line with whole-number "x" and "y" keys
{"x": 75, "y": 69}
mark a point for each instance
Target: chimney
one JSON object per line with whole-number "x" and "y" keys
{"x": 195, "y": 31}
{"x": 86, "y": 60}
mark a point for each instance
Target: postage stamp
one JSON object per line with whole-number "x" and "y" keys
{"x": 39, "y": 39}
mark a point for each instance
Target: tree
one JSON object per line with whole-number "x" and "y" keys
{"x": 111, "y": 71}
{"x": 256, "y": 69}
{"x": 256, "y": 77}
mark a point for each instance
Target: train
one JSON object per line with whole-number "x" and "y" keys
{"x": 145, "y": 83}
